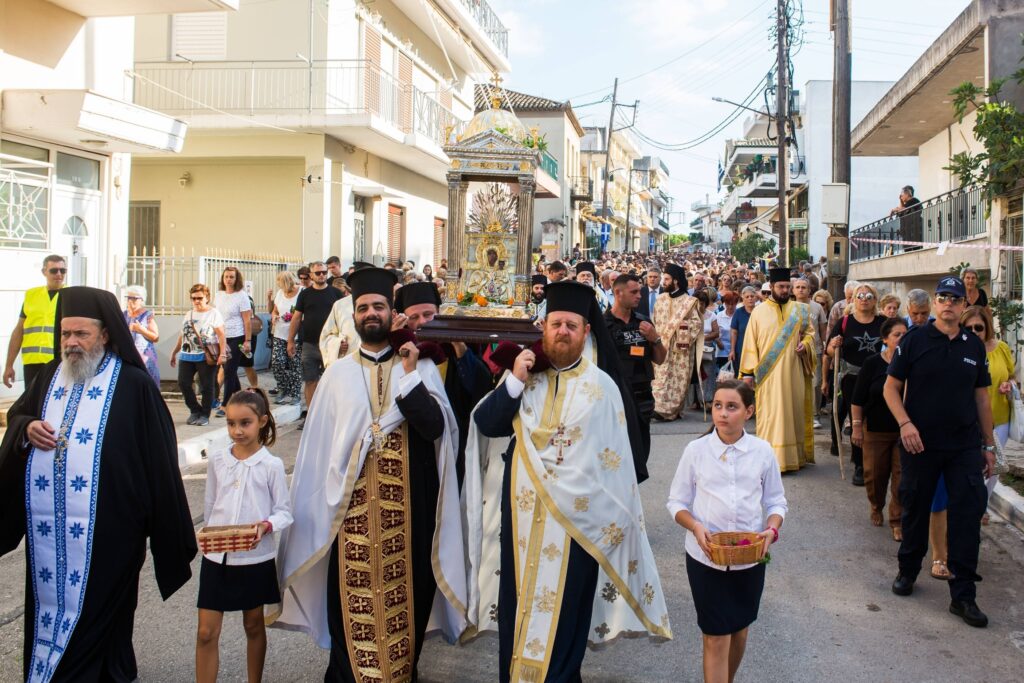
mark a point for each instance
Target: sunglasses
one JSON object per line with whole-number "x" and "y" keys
{"x": 948, "y": 299}
{"x": 133, "y": 298}
{"x": 197, "y": 298}
{"x": 976, "y": 328}
{"x": 865, "y": 296}
{"x": 54, "y": 271}
{"x": 319, "y": 272}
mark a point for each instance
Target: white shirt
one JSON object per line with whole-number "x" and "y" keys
{"x": 284, "y": 305}
{"x": 246, "y": 492}
{"x": 231, "y": 305}
{"x": 727, "y": 488}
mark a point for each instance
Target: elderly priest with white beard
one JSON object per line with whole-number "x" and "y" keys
{"x": 572, "y": 564}
{"x": 89, "y": 474}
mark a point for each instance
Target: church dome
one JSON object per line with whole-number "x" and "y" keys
{"x": 498, "y": 119}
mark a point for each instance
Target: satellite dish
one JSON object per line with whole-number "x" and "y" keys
{"x": 314, "y": 179}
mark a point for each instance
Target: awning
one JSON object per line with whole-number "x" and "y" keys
{"x": 374, "y": 190}
{"x": 86, "y": 119}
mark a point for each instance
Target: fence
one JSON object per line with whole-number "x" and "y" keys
{"x": 167, "y": 277}
{"x": 954, "y": 217}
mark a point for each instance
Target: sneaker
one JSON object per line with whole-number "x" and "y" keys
{"x": 272, "y": 392}
{"x": 202, "y": 421}
{"x": 216, "y": 403}
{"x": 302, "y": 425}
{"x": 817, "y": 425}
{"x": 969, "y": 612}
{"x": 281, "y": 398}
{"x": 219, "y": 413}
{"x": 192, "y": 419}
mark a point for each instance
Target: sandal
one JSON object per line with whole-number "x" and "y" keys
{"x": 985, "y": 519}
{"x": 940, "y": 571}
{"x": 897, "y": 534}
{"x": 876, "y": 518}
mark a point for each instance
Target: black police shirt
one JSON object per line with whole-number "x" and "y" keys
{"x": 941, "y": 375}
{"x": 635, "y": 352}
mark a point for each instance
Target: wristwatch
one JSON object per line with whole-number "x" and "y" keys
{"x": 657, "y": 341}
{"x": 989, "y": 449}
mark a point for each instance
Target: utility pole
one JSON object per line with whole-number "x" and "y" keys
{"x": 782, "y": 118}
{"x": 841, "y": 77}
{"x": 606, "y": 213}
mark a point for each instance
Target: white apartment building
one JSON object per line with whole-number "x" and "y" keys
{"x": 317, "y": 127}
{"x": 67, "y": 130}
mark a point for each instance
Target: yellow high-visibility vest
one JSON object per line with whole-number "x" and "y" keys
{"x": 40, "y": 315}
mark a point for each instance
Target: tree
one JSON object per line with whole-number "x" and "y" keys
{"x": 677, "y": 240}
{"x": 998, "y": 127}
{"x": 751, "y": 246}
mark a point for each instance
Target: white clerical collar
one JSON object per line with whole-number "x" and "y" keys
{"x": 376, "y": 356}
{"x": 571, "y": 366}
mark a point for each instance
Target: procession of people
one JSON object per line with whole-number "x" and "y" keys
{"x": 459, "y": 488}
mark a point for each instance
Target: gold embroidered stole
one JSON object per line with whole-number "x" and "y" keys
{"x": 375, "y": 555}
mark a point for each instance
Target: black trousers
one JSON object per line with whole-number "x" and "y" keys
{"x": 231, "y": 383}
{"x": 968, "y": 498}
{"x": 846, "y": 385}
{"x": 29, "y": 372}
{"x": 644, "y": 400}
{"x": 187, "y": 370}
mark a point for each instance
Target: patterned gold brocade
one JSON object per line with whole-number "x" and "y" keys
{"x": 376, "y": 562}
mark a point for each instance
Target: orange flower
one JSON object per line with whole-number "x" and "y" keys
{"x": 511, "y": 301}
{"x": 480, "y": 300}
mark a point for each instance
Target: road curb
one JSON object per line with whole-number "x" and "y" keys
{"x": 193, "y": 451}
{"x": 1009, "y": 504}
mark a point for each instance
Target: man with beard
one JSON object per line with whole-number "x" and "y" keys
{"x": 93, "y": 416}
{"x": 586, "y": 273}
{"x": 376, "y": 546}
{"x": 639, "y": 348}
{"x": 570, "y": 512}
{"x": 466, "y": 379}
{"x": 681, "y": 328}
{"x": 778, "y": 361}
{"x": 537, "y": 284}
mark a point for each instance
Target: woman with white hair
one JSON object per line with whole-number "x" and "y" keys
{"x": 287, "y": 369}
{"x": 142, "y": 324}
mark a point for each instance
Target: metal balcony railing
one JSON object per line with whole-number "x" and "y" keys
{"x": 489, "y": 22}
{"x": 956, "y": 216}
{"x": 582, "y": 187}
{"x": 334, "y": 87}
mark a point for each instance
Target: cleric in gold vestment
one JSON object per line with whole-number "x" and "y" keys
{"x": 778, "y": 358}
{"x": 376, "y": 549}
{"x": 681, "y": 328}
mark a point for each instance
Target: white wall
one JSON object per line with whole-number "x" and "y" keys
{"x": 875, "y": 181}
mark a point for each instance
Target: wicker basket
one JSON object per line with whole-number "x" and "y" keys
{"x": 725, "y": 551}
{"x": 226, "y": 539}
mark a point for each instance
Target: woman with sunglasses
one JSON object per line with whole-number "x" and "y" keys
{"x": 1001, "y": 369}
{"x": 202, "y": 334}
{"x": 853, "y": 339}
{"x": 142, "y": 325}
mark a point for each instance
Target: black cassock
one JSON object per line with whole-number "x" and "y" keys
{"x": 494, "y": 418}
{"x": 140, "y": 497}
{"x": 425, "y": 424}
{"x": 467, "y": 380}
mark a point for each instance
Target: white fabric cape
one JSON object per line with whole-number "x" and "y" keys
{"x": 340, "y": 324}
{"x": 335, "y": 441}
{"x": 598, "y": 466}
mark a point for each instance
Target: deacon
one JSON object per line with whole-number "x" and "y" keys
{"x": 572, "y": 564}
{"x": 778, "y": 361}
{"x": 376, "y": 547}
{"x": 88, "y": 476}
{"x": 338, "y": 332}
{"x": 468, "y": 381}
{"x": 537, "y": 307}
{"x": 681, "y": 329}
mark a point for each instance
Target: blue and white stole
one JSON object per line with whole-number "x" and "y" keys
{"x": 792, "y": 325}
{"x": 60, "y": 499}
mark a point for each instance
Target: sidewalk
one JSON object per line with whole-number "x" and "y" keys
{"x": 1005, "y": 500}
{"x": 195, "y": 442}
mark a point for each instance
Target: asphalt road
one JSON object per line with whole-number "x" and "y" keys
{"x": 827, "y": 612}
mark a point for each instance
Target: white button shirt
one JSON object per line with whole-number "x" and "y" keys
{"x": 727, "y": 488}
{"x": 246, "y": 492}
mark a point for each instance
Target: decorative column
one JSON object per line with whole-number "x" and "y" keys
{"x": 524, "y": 247}
{"x": 457, "y": 189}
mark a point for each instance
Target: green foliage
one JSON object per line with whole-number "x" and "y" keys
{"x": 999, "y": 126}
{"x": 696, "y": 237}
{"x": 540, "y": 143}
{"x": 797, "y": 254}
{"x": 751, "y": 246}
{"x": 676, "y": 240}
{"x": 1009, "y": 313}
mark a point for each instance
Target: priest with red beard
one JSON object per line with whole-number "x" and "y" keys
{"x": 88, "y": 475}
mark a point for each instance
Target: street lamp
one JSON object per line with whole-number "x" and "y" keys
{"x": 743, "y": 106}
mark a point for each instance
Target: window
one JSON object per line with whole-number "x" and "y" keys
{"x": 78, "y": 171}
{"x": 396, "y": 233}
{"x": 75, "y": 227}
{"x": 143, "y": 227}
{"x": 24, "y": 196}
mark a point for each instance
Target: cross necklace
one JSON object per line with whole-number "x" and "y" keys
{"x": 381, "y": 398}
{"x": 560, "y": 439}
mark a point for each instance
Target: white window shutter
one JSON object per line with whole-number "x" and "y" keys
{"x": 202, "y": 36}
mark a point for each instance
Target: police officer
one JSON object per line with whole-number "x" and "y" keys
{"x": 638, "y": 346}
{"x": 33, "y": 335}
{"x": 945, "y": 428}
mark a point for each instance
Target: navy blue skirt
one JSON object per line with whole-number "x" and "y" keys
{"x": 237, "y": 587}
{"x": 726, "y": 601}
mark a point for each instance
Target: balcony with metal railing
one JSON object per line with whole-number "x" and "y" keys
{"x": 760, "y": 177}
{"x": 490, "y": 23}
{"x": 582, "y": 188}
{"x": 906, "y": 244}
{"x": 354, "y": 100}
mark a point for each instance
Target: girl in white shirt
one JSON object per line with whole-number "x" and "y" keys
{"x": 727, "y": 480}
{"x": 245, "y": 484}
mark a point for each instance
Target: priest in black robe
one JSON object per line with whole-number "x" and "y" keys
{"x": 466, "y": 378}
{"x": 570, "y": 515}
{"x": 376, "y": 546}
{"x": 89, "y": 474}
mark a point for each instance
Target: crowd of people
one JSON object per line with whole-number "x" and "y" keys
{"x": 455, "y": 484}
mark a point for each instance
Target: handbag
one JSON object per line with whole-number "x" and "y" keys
{"x": 1016, "y": 415}
{"x": 726, "y": 372}
{"x": 211, "y": 350}
{"x": 709, "y": 352}
{"x": 1002, "y": 467}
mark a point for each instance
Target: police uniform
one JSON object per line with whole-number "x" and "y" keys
{"x": 636, "y": 355}
{"x": 941, "y": 375}
{"x": 39, "y": 312}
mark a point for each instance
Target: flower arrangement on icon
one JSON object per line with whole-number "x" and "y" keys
{"x": 482, "y": 300}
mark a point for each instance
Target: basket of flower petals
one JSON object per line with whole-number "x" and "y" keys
{"x": 736, "y": 547}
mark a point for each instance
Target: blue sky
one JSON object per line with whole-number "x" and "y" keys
{"x": 694, "y": 50}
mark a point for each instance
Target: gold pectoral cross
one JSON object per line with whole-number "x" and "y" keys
{"x": 378, "y": 436}
{"x": 560, "y": 440}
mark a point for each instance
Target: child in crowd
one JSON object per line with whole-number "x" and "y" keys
{"x": 245, "y": 484}
{"x": 727, "y": 480}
